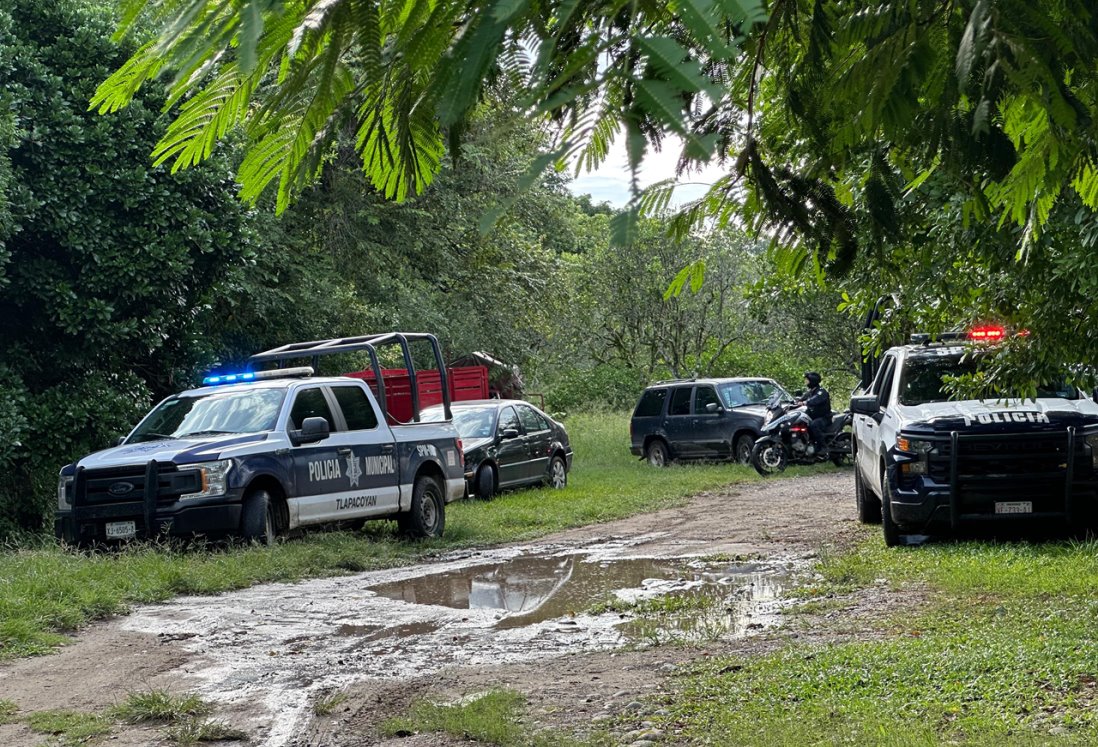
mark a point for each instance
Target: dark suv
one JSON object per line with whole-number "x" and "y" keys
{"x": 700, "y": 419}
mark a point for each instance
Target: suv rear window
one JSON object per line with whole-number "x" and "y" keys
{"x": 651, "y": 404}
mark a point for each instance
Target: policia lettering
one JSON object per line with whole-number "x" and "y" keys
{"x": 1013, "y": 416}
{"x": 330, "y": 469}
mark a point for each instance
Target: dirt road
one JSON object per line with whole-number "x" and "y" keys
{"x": 517, "y": 617}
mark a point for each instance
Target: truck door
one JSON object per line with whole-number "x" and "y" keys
{"x": 318, "y": 468}
{"x": 538, "y": 439}
{"x": 511, "y": 452}
{"x": 367, "y": 450}
{"x": 867, "y": 430}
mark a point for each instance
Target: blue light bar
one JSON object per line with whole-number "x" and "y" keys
{"x": 228, "y": 378}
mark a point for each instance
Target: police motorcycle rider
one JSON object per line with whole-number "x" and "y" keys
{"x": 817, "y": 404}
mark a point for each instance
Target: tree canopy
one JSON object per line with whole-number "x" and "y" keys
{"x": 859, "y": 137}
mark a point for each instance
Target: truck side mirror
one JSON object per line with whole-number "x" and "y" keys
{"x": 865, "y": 405}
{"x": 312, "y": 430}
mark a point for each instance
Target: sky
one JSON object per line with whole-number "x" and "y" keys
{"x": 610, "y": 183}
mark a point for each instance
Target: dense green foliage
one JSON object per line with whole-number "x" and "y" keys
{"x": 110, "y": 262}
{"x": 940, "y": 152}
{"x": 120, "y": 281}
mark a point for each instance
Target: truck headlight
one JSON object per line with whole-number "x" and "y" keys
{"x": 213, "y": 479}
{"x": 913, "y": 446}
{"x": 64, "y": 493}
{"x": 1092, "y": 442}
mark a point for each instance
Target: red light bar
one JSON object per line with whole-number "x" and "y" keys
{"x": 986, "y": 333}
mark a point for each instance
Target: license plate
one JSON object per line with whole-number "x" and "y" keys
{"x": 121, "y": 529}
{"x": 1014, "y": 507}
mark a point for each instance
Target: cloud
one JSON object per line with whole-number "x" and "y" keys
{"x": 610, "y": 182}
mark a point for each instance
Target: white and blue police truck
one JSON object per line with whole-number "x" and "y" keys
{"x": 262, "y": 452}
{"x": 926, "y": 463}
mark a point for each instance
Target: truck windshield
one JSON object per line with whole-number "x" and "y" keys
{"x": 472, "y": 422}
{"x": 740, "y": 393}
{"x": 922, "y": 380}
{"x": 211, "y": 414}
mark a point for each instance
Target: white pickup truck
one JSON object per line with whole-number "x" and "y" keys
{"x": 925, "y": 464}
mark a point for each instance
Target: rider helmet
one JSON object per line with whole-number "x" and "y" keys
{"x": 812, "y": 378}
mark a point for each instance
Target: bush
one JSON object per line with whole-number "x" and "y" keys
{"x": 603, "y": 386}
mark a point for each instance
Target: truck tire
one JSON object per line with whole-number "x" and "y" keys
{"x": 486, "y": 482}
{"x": 427, "y": 516}
{"x": 869, "y": 507}
{"x": 657, "y": 454}
{"x": 257, "y": 519}
{"x": 891, "y": 531}
{"x": 742, "y": 451}
{"x": 558, "y": 473}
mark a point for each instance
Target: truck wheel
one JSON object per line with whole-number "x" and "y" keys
{"x": 427, "y": 516}
{"x": 742, "y": 452}
{"x": 656, "y": 453}
{"x": 257, "y": 521}
{"x": 558, "y": 473}
{"x": 768, "y": 457}
{"x": 869, "y": 508}
{"x": 486, "y": 482}
{"x": 892, "y": 534}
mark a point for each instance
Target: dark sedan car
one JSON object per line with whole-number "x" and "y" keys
{"x": 508, "y": 443}
{"x": 700, "y": 419}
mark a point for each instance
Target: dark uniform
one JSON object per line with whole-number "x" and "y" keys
{"x": 818, "y": 407}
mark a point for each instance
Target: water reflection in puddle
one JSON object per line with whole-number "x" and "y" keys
{"x": 702, "y": 600}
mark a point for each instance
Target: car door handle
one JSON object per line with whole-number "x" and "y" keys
{"x": 344, "y": 452}
{"x": 387, "y": 448}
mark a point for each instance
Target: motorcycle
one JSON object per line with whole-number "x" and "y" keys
{"x": 785, "y": 439}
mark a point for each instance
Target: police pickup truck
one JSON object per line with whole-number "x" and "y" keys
{"x": 259, "y": 453}
{"x": 923, "y": 463}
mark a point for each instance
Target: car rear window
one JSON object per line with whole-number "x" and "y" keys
{"x": 651, "y": 403}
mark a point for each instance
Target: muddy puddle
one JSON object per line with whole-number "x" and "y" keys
{"x": 277, "y": 647}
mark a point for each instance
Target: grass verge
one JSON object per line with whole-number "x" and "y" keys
{"x": 1002, "y": 652}
{"x": 69, "y": 727}
{"x": 493, "y": 718}
{"x": 46, "y": 591}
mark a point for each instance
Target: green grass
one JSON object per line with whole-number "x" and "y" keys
{"x": 158, "y": 706}
{"x": 1002, "y": 652}
{"x": 8, "y": 710}
{"x": 46, "y": 591}
{"x": 194, "y": 731}
{"x": 327, "y": 704}
{"x": 70, "y": 727}
{"x": 494, "y": 718}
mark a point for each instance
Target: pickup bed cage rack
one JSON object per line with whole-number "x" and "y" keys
{"x": 367, "y": 344}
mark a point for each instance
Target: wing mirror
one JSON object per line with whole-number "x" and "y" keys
{"x": 713, "y": 407}
{"x": 509, "y": 433}
{"x": 865, "y": 405}
{"x": 312, "y": 430}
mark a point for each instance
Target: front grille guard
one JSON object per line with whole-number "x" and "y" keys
{"x": 82, "y": 511}
{"x": 955, "y": 440}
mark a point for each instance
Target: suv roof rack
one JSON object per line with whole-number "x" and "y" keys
{"x": 673, "y": 381}
{"x": 367, "y": 344}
